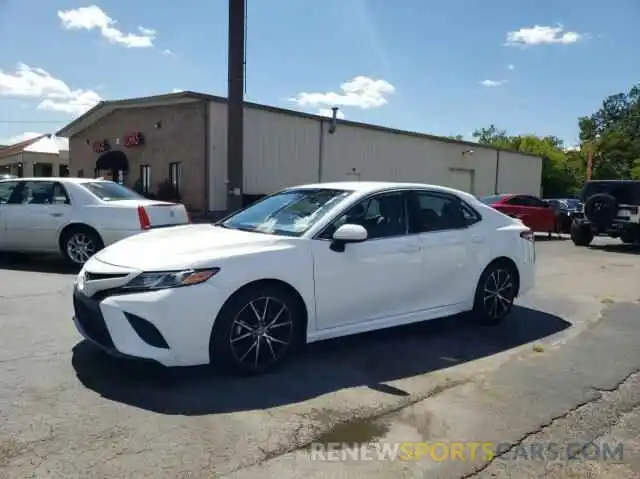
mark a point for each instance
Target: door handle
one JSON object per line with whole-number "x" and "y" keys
{"x": 56, "y": 214}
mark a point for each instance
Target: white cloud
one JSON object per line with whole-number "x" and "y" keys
{"x": 493, "y": 83}
{"x": 541, "y": 35}
{"x": 511, "y": 66}
{"x": 27, "y": 135}
{"x": 361, "y": 92}
{"x": 177, "y": 90}
{"x": 328, "y": 112}
{"x": 167, "y": 51}
{"x": 53, "y": 93}
{"x": 93, "y": 17}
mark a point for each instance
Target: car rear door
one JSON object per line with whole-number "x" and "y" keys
{"x": 450, "y": 245}
{"x": 35, "y": 222}
{"x": 542, "y": 215}
{"x": 517, "y": 208}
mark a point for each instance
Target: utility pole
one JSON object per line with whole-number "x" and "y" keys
{"x": 235, "y": 103}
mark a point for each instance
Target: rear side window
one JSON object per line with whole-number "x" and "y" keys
{"x": 109, "y": 191}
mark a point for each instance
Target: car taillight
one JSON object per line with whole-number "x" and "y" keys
{"x": 528, "y": 235}
{"x": 143, "y": 218}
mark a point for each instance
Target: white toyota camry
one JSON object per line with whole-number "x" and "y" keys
{"x": 305, "y": 264}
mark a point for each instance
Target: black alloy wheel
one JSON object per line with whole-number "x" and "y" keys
{"x": 257, "y": 330}
{"x": 495, "y": 293}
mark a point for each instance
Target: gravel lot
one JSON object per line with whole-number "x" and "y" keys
{"x": 69, "y": 411}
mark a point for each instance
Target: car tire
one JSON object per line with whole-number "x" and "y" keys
{"x": 495, "y": 293}
{"x": 242, "y": 344}
{"x": 629, "y": 238}
{"x": 581, "y": 234}
{"x": 79, "y": 243}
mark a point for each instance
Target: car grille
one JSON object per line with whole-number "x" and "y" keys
{"x": 89, "y": 316}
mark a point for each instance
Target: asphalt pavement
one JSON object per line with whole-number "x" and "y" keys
{"x": 67, "y": 410}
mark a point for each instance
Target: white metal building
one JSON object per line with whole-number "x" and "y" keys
{"x": 281, "y": 148}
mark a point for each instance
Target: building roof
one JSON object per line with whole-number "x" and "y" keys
{"x": 105, "y": 108}
{"x": 18, "y": 148}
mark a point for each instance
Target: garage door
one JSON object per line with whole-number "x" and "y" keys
{"x": 461, "y": 179}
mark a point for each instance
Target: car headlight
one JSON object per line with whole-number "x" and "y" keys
{"x": 169, "y": 279}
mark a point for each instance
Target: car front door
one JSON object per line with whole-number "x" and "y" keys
{"x": 7, "y": 193}
{"x": 378, "y": 279}
{"x": 37, "y": 215}
{"x": 450, "y": 245}
{"x": 542, "y": 214}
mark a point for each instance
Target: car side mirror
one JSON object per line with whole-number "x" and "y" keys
{"x": 347, "y": 233}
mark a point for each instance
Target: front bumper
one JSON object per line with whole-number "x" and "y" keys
{"x": 171, "y": 327}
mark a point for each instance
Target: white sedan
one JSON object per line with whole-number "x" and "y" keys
{"x": 76, "y": 217}
{"x": 304, "y": 264}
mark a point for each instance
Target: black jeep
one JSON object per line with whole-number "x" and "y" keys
{"x": 610, "y": 209}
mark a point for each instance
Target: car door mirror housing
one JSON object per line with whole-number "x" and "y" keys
{"x": 348, "y": 233}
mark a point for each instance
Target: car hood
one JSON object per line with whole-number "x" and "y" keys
{"x": 183, "y": 247}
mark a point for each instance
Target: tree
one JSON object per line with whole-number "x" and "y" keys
{"x": 613, "y": 134}
{"x": 490, "y": 135}
{"x": 558, "y": 174}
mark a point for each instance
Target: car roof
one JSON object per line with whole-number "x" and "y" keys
{"x": 55, "y": 178}
{"x": 367, "y": 187}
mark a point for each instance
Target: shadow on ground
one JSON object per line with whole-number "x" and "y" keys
{"x": 371, "y": 359}
{"x": 36, "y": 264}
{"x": 553, "y": 237}
{"x": 617, "y": 248}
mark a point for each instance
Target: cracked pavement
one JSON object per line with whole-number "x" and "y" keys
{"x": 69, "y": 411}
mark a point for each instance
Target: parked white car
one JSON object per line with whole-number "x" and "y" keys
{"x": 76, "y": 217}
{"x": 305, "y": 264}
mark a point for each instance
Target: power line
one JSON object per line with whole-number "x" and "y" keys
{"x": 32, "y": 121}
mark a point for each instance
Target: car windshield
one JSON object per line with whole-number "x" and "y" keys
{"x": 288, "y": 213}
{"x": 489, "y": 200}
{"x": 109, "y": 191}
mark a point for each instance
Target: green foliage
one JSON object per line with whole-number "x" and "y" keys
{"x": 612, "y": 134}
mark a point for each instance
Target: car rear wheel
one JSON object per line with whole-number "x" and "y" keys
{"x": 581, "y": 234}
{"x": 257, "y": 330}
{"x": 495, "y": 293}
{"x": 79, "y": 244}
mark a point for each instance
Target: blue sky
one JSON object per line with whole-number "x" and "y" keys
{"x": 410, "y": 64}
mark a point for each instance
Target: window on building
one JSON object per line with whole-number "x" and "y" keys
{"x": 63, "y": 171}
{"x": 145, "y": 178}
{"x": 175, "y": 176}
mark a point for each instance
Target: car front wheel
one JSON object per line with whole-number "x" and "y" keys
{"x": 495, "y": 293}
{"x": 257, "y": 330}
{"x": 581, "y": 234}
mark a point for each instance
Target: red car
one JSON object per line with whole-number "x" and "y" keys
{"x": 532, "y": 211}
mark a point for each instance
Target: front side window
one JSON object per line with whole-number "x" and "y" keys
{"x": 383, "y": 216}
{"x": 288, "y": 213}
{"x": 7, "y": 189}
{"x": 109, "y": 191}
{"x": 519, "y": 201}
